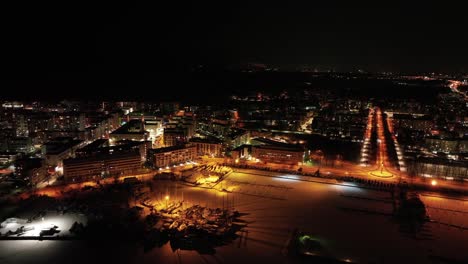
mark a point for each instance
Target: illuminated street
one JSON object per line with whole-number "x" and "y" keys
{"x": 365, "y": 151}
{"x": 454, "y": 86}
{"x": 382, "y": 161}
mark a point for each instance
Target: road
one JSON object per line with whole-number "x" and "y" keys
{"x": 385, "y": 168}
{"x": 454, "y": 87}
{"x": 305, "y": 126}
{"x": 366, "y": 146}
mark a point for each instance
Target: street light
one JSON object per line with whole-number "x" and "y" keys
{"x": 167, "y": 199}
{"x": 433, "y": 182}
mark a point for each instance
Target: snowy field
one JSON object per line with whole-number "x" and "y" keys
{"x": 62, "y": 222}
{"x": 352, "y": 223}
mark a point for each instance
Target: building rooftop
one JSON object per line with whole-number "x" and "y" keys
{"x": 237, "y": 133}
{"x": 123, "y": 145}
{"x": 132, "y": 127}
{"x": 272, "y": 144}
{"x": 286, "y": 148}
{"x": 57, "y": 147}
{"x": 174, "y": 130}
{"x": 206, "y": 140}
{"x": 98, "y": 143}
{"x": 102, "y": 157}
{"x": 166, "y": 149}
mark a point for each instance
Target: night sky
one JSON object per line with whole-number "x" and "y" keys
{"x": 104, "y": 46}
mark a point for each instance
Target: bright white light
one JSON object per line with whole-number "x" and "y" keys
{"x": 59, "y": 170}
{"x": 288, "y": 177}
{"x": 63, "y": 223}
{"x": 349, "y": 187}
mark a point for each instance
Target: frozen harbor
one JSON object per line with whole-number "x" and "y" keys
{"x": 351, "y": 223}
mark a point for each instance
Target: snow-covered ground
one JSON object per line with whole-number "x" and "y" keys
{"x": 447, "y": 211}
{"x": 351, "y": 222}
{"x": 62, "y": 222}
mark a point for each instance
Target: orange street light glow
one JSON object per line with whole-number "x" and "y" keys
{"x": 433, "y": 182}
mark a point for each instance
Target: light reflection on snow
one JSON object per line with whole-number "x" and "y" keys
{"x": 287, "y": 177}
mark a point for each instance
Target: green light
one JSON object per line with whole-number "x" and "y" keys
{"x": 303, "y": 238}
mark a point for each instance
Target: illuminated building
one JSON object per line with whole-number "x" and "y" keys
{"x": 59, "y": 149}
{"x": 174, "y": 155}
{"x": 133, "y": 130}
{"x": 210, "y": 147}
{"x": 156, "y": 131}
{"x": 101, "y": 146}
{"x": 412, "y": 121}
{"x": 341, "y": 125}
{"x": 8, "y": 157}
{"x": 438, "y": 168}
{"x": 237, "y": 138}
{"x": 19, "y": 144}
{"x": 169, "y": 107}
{"x": 179, "y": 129}
{"x": 102, "y": 165}
{"x": 241, "y": 152}
{"x": 31, "y": 170}
{"x": 174, "y": 137}
{"x": 69, "y": 121}
{"x": 21, "y": 126}
{"x": 12, "y": 105}
{"x": 447, "y": 145}
{"x": 286, "y": 154}
{"x": 220, "y": 127}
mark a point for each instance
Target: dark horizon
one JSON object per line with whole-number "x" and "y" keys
{"x": 97, "y": 48}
